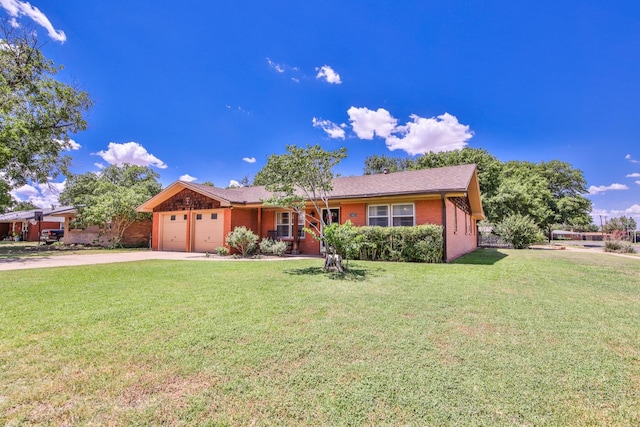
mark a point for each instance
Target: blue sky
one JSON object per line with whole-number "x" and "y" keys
{"x": 205, "y": 91}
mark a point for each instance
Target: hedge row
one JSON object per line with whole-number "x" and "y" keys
{"x": 422, "y": 243}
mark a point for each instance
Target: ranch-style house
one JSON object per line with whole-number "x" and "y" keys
{"x": 191, "y": 217}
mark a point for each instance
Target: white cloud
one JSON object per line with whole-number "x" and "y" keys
{"x": 367, "y": 123}
{"x": 16, "y": 8}
{"x": 604, "y": 188}
{"x": 631, "y": 159}
{"x": 43, "y": 195}
{"x": 99, "y": 165}
{"x": 442, "y": 133}
{"x": 333, "y": 130}
{"x": 188, "y": 178}
{"x": 240, "y": 109}
{"x": 279, "y": 68}
{"x": 328, "y": 74}
{"x": 638, "y": 182}
{"x": 234, "y": 184}
{"x": 421, "y": 135}
{"x": 69, "y": 145}
{"x": 633, "y": 175}
{"x": 131, "y": 153}
{"x": 249, "y": 159}
{"x": 600, "y": 216}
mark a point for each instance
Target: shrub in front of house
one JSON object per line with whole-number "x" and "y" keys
{"x": 520, "y": 231}
{"x": 222, "y": 251}
{"x": 421, "y": 243}
{"x": 275, "y": 247}
{"x": 617, "y": 243}
{"x": 243, "y": 240}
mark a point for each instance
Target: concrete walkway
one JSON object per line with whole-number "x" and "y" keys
{"x": 106, "y": 258}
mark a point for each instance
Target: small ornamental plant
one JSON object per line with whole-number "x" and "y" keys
{"x": 243, "y": 240}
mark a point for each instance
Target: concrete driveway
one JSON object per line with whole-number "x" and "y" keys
{"x": 106, "y": 258}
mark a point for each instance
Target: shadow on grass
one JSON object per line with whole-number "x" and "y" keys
{"x": 354, "y": 273}
{"x": 481, "y": 256}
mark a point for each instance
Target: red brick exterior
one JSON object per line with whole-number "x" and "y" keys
{"x": 4, "y": 231}
{"x": 138, "y": 234}
{"x": 461, "y": 232}
{"x": 30, "y": 234}
{"x": 428, "y": 212}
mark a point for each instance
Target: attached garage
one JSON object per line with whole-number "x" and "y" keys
{"x": 173, "y": 232}
{"x": 208, "y": 230}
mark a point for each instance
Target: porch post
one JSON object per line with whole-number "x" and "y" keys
{"x": 296, "y": 236}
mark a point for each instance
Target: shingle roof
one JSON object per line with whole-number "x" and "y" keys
{"x": 450, "y": 178}
{"x": 30, "y": 214}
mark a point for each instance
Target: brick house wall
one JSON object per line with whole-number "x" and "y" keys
{"x": 137, "y": 234}
{"x": 462, "y": 233}
{"x": 4, "y": 230}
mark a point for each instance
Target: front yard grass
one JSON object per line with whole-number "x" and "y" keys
{"x": 14, "y": 250}
{"x": 501, "y": 337}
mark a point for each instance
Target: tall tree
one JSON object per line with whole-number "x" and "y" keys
{"x": 620, "y": 224}
{"x": 522, "y": 192}
{"x": 376, "y": 164}
{"x": 567, "y": 186}
{"x": 38, "y": 114}
{"x": 109, "y": 199}
{"x": 489, "y": 167}
{"x": 23, "y": 206}
{"x": 301, "y": 175}
{"x": 548, "y": 192}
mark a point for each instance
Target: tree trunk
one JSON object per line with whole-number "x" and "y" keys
{"x": 333, "y": 262}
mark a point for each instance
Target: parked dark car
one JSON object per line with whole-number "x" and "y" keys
{"x": 52, "y": 235}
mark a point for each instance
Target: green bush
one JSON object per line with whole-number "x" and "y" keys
{"x": 270, "y": 246}
{"x": 222, "y": 251}
{"x": 279, "y": 248}
{"x": 617, "y": 243}
{"x": 520, "y": 231}
{"x": 243, "y": 240}
{"x": 422, "y": 243}
{"x": 342, "y": 239}
{"x": 265, "y": 245}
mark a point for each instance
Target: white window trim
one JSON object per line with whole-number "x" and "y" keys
{"x": 301, "y": 222}
{"x": 378, "y": 216}
{"x": 390, "y": 215}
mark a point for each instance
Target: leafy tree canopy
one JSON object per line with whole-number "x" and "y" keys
{"x": 109, "y": 199}
{"x": 622, "y": 224}
{"x": 548, "y": 192}
{"x": 38, "y": 114}
{"x": 301, "y": 175}
{"x": 23, "y": 206}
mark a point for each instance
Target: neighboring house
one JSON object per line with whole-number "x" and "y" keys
{"x": 25, "y": 225}
{"x": 196, "y": 218}
{"x": 137, "y": 234}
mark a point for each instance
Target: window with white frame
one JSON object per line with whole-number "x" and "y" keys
{"x": 402, "y": 215}
{"x": 284, "y": 224}
{"x": 395, "y": 215}
{"x": 379, "y": 215}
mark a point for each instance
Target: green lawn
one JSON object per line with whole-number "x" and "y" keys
{"x": 498, "y": 338}
{"x": 12, "y": 250}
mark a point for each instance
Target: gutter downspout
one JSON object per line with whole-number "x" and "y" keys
{"x": 444, "y": 227}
